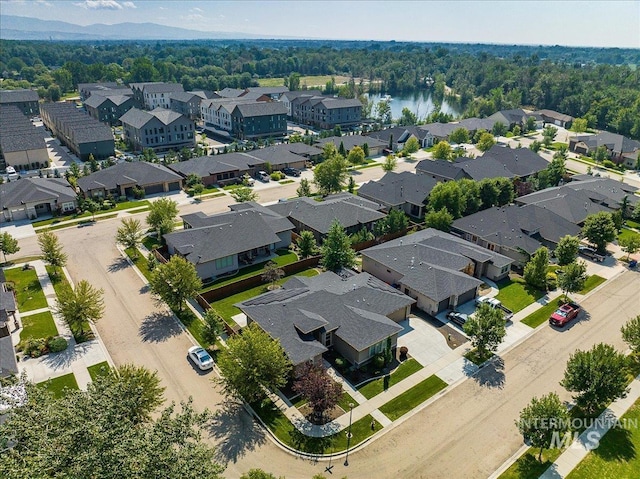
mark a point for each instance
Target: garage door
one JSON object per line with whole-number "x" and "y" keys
{"x": 175, "y": 186}
{"x": 442, "y": 305}
{"x": 468, "y": 296}
{"x": 149, "y": 190}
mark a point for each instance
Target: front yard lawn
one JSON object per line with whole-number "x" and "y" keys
{"x": 58, "y": 279}
{"x": 627, "y": 233}
{"x": 592, "y": 281}
{"x": 27, "y": 288}
{"x": 97, "y": 370}
{"x": 140, "y": 261}
{"x": 403, "y": 371}
{"x": 38, "y": 326}
{"x": 413, "y": 397}
{"x": 151, "y": 242}
{"x": 58, "y": 385}
{"x": 125, "y": 205}
{"x": 516, "y": 294}
{"x": 538, "y": 317}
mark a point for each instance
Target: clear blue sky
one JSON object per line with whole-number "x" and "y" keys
{"x": 545, "y": 22}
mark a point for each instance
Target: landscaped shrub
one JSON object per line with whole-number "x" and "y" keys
{"x": 552, "y": 280}
{"x": 122, "y": 199}
{"x": 35, "y": 347}
{"x": 277, "y": 176}
{"x": 341, "y": 364}
{"x": 379, "y": 361}
{"x": 609, "y": 164}
{"x": 57, "y": 344}
{"x": 403, "y": 353}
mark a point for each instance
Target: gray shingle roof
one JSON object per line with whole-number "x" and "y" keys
{"x": 554, "y": 115}
{"x": 97, "y": 99}
{"x": 261, "y": 108}
{"x": 349, "y": 141}
{"x": 441, "y": 169}
{"x": 395, "y": 189}
{"x": 573, "y": 205}
{"x": 290, "y": 95}
{"x": 162, "y": 87}
{"x": 440, "y": 130}
{"x": 439, "y": 283}
{"x": 230, "y": 93}
{"x": 519, "y": 161}
{"x": 613, "y": 141}
{"x": 139, "y": 173}
{"x": 209, "y": 165}
{"x": 17, "y": 96}
{"x": 35, "y": 190}
{"x": 139, "y": 118}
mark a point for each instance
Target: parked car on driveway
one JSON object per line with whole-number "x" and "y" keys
{"x": 564, "y": 314}
{"x": 456, "y": 317}
{"x": 590, "y": 253}
{"x": 263, "y": 176}
{"x": 289, "y": 171}
{"x": 200, "y": 358}
{"x": 495, "y": 304}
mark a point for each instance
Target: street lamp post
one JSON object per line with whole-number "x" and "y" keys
{"x": 346, "y": 460}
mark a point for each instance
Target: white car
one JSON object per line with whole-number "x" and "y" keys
{"x": 11, "y": 173}
{"x": 201, "y": 358}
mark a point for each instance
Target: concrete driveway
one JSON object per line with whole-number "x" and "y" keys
{"x": 426, "y": 344}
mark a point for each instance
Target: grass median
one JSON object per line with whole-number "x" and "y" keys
{"x": 60, "y": 385}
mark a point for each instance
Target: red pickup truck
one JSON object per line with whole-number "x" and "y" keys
{"x": 564, "y": 314}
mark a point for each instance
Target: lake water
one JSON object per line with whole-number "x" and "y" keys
{"x": 420, "y": 103}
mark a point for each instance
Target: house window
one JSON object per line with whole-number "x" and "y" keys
{"x": 226, "y": 262}
{"x": 377, "y": 348}
{"x": 68, "y": 207}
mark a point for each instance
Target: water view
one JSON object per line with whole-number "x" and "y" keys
{"x": 420, "y": 103}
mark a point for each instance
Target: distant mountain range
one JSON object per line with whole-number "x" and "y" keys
{"x": 25, "y": 28}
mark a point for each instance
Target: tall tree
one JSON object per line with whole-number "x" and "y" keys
{"x": 330, "y": 176}
{"x": 567, "y": 249}
{"x": 488, "y": 193}
{"x": 486, "y": 328}
{"x": 8, "y": 245}
{"x": 543, "y": 419}
{"x": 318, "y": 388}
{"x": 252, "y": 364}
{"x": 440, "y": 220}
{"x": 272, "y": 272}
{"x": 213, "y": 324}
{"x": 304, "y": 189}
{"x": 162, "y": 215}
{"x": 485, "y": 142}
{"x": 597, "y": 376}
{"x": 306, "y": 244}
{"x": 630, "y": 244}
{"x": 505, "y": 189}
{"x": 442, "y": 151}
{"x": 51, "y": 250}
{"x": 242, "y": 194}
{"x": 499, "y": 129}
{"x": 389, "y": 164}
{"x": 336, "y": 249}
{"x": 356, "y": 156}
{"x": 80, "y": 306}
{"x": 599, "y": 229}
{"x": 459, "y": 135}
{"x": 631, "y": 333}
{"x": 579, "y": 125}
{"x": 573, "y": 277}
{"x": 175, "y": 281}
{"x": 91, "y": 206}
{"x": 129, "y": 234}
{"x": 447, "y": 195}
{"x": 411, "y": 145}
{"x": 535, "y": 271}
{"x": 548, "y": 135}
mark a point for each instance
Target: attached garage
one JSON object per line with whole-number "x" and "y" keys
{"x": 466, "y": 297}
{"x": 174, "y": 186}
{"x": 152, "y": 189}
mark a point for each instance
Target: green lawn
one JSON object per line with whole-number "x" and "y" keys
{"x": 476, "y": 358}
{"x": 140, "y": 261}
{"x": 592, "y": 281}
{"x": 97, "y": 370}
{"x": 344, "y": 402}
{"x": 284, "y": 257}
{"x": 632, "y": 224}
{"x": 517, "y": 295}
{"x": 403, "y": 371}
{"x": 151, "y": 242}
{"x": 225, "y": 307}
{"x": 125, "y": 205}
{"x": 58, "y": 385}
{"x": 58, "y": 279}
{"x": 37, "y": 326}
{"x": 538, "y": 317}
{"x": 78, "y": 223}
{"x": 413, "y": 397}
{"x": 627, "y": 233}
{"x": 309, "y": 80}
{"x": 282, "y": 428}
{"x": 284, "y": 182}
{"x": 27, "y": 288}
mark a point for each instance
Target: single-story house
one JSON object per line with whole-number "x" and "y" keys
{"x": 618, "y": 146}
{"x": 352, "y": 212}
{"x": 279, "y": 156}
{"x": 376, "y": 147}
{"x": 515, "y": 231}
{"x": 223, "y": 243}
{"x": 219, "y": 169}
{"x": 398, "y": 136}
{"x": 119, "y": 180}
{"x": 439, "y": 270}
{"x": 513, "y": 117}
{"x": 440, "y": 131}
{"x": 605, "y": 191}
{"x": 441, "y": 170}
{"x": 354, "y": 314}
{"x": 28, "y": 198}
{"x": 404, "y": 191}
{"x": 555, "y": 118}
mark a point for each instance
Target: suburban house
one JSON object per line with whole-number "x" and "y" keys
{"x": 287, "y": 97}
{"x": 398, "y": 136}
{"x": 404, "y": 191}
{"x": 352, "y": 212}
{"x": 22, "y": 145}
{"x": 376, "y": 147}
{"x": 611, "y": 193}
{"x": 223, "y": 243}
{"x": 497, "y": 162}
{"x": 326, "y": 112}
{"x": 619, "y": 148}
{"x": 8, "y": 363}
{"x": 104, "y": 89}
{"x": 353, "y": 314}
{"x": 516, "y": 116}
{"x": 439, "y": 270}
{"x": 281, "y": 155}
{"x": 515, "y": 231}
{"x": 440, "y": 131}
{"x": 160, "y": 129}
{"x": 119, "y": 180}
{"x": 108, "y": 107}
{"x": 263, "y": 119}
{"x": 28, "y": 198}
{"x": 152, "y": 95}
{"x": 473, "y": 125}
{"x": 272, "y": 93}
{"x": 555, "y": 118}
{"x": 76, "y": 130}
{"x": 25, "y": 100}
{"x": 187, "y": 103}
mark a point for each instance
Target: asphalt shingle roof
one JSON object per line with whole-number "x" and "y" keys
{"x": 36, "y": 190}
{"x": 138, "y": 118}
{"x": 17, "y": 96}
{"x": 261, "y": 108}
{"x": 395, "y": 189}
{"x": 139, "y": 173}
{"x": 349, "y": 141}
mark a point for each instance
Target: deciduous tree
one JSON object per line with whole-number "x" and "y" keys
{"x": 8, "y": 245}
{"x": 440, "y": 220}
{"x": 447, "y": 195}
{"x": 243, "y": 194}
{"x": 390, "y": 163}
{"x": 543, "y": 419}
{"x": 304, "y": 189}
{"x": 318, "y": 388}
{"x": 567, "y": 249}
{"x": 51, "y": 250}
{"x": 573, "y": 277}
{"x": 80, "y": 306}
{"x": 442, "y": 151}
{"x": 336, "y": 249}
{"x": 535, "y": 271}
{"x": 331, "y": 175}
{"x": 129, "y": 234}
{"x": 272, "y": 273}
{"x": 599, "y": 229}
{"x": 486, "y": 328}
{"x": 459, "y": 135}
{"x": 631, "y": 333}
{"x": 485, "y": 142}
{"x": 411, "y": 145}
{"x": 356, "y": 156}
{"x": 630, "y": 244}
{"x": 175, "y": 281}
{"x": 162, "y": 214}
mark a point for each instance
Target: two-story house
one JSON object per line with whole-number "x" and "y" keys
{"x": 159, "y": 129}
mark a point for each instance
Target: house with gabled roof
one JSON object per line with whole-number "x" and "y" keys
{"x": 403, "y": 191}
{"x": 160, "y": 130}
{"x": 187, "y": 103}
{"x": 260, "y": 119}
{"x": 287, "y": 98}
{"x": 109, "y": 106}
{"x": 399, "y": 135}
{"x": 28, "y": 198}
{"x": 22, "y": 145}
{"x": 352, "y": 212}
{"x": 224, "y": 243}
{"x": 152, "y": 95}
{"x": 354, "y": 314}
{"x": 325, "y": 112}
{"x": 439, "y": 270}
{"x": 376, "y": 147}
{"x": 619, "y": 147}
{"x": 25, "y": 100}
{"x": 511, "y": 118}
{"x": 554, "y": 118}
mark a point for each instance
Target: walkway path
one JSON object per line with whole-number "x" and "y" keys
{"x": 75, "y": 359}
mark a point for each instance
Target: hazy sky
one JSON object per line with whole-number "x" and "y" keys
{"x": 544, "y": 22}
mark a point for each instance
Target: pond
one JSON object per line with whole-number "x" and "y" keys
{"x": 420, "y": 103}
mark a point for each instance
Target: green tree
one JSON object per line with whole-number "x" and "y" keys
{"x": 411, "y": 145}
{"x": 556, "y": 170}
{"x": 600, "y": 154}
{"x": 336, "y": 249}
{"x": 447, "y": 195}
{"x": 272, "y": 272}
{"x": 572, "y": 277}
{"x": 535, "y": 146}
{"x": 567, "y": 249}
{"x": 485, "y": 142}
{"x": 548, "y": 135}
{"x": 192, "y": 179}
{"x": 351, "y": 186}
{"x": 631, "y": 333}
{"x": 106, "y": 431}
{"x": 531, "y": 123}
{"x": 319, "y": 389}
{"x": 365, "y": 148}
{"x": 356, "y": 156}
{"x": 129, "y": 234}
{"x": 162, "y": 215}
{"x": 8, "y": 245}
{"x": 505, "y": 189}
{"x": 213, "y": 325}
{"x": 543, "y": 419}
{"x": 486, "y": 328}
{"x": 174, "y": 282}
{"x": 91, "y": 206}
{"x": 389, "y": 164}
{"x": 442, "y": 151}
{"x": 499, "y": 129}
{"x": 51, "y": 250}
{"x": 383, "y": 110}
{"x": 306, "y": 244}
{"x": 488, "y": 193}
{"x": 242, "y": 194}
{"x": 407, "y": 118}
{"x": 579, "y": 125}
{"x": 535, "y": 271}
{"x": 198, "y": 188}
{"x": 459, "y": 135}
{"x": 630, "y": 244}
{"x": 470, "y": 190}
{"x": 395, "y": 221}
{"x": 330, "y": 176}
{"x": 93, "y": 163}
{"x": 597, "y": 376}
{"x": 80, "y": 306}
{"x": 517, "y": 131}
{"x": 440, "y": 220}
{"x": 304, "y": 189}
{"x": 252, "y": 364}
{"x": 599, "y": 229}
{"x": 341, "y": 149}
